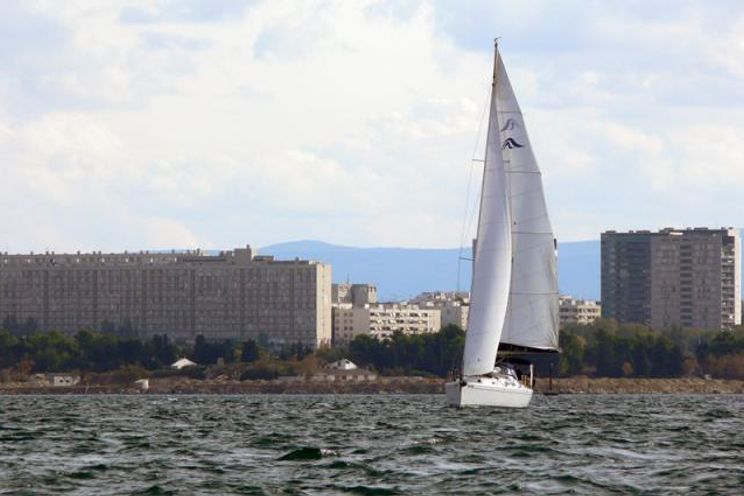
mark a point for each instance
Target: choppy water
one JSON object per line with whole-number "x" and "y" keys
{"x": 369, "y": 445}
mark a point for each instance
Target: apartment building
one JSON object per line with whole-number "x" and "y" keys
{"x": 577, "y": 311}
{"x": 356, "y": 294}
{"x": 673, "y": 277}
{"x": 382, "y": 320}
{"x": 231, "y": 295}
{"x": 453, "y": 305}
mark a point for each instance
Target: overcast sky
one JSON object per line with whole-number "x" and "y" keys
{"x": 159, "y": 124}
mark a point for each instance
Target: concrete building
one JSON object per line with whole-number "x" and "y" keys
{"x": 575, "y": 311}
{"x": 382, "y": 320}
{"x": 233, "y": 295}
{"x": 453, "y": 305}
{"x": 63, "y": 380}
{"x": 356, "y": 294}
{"x": 673, "y": 277}
{"x": 626, "y": 276}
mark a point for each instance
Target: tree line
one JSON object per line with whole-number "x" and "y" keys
{"x": 601, "y": 349}
{"x": 608, "y": 349}
{"x": 95, "y": 351}
{"x": 429, "y": 354}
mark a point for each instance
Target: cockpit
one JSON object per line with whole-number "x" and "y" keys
{"x": 503, "y": 370}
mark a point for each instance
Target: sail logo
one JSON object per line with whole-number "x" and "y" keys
{"x": 510, "y": 143}
{"x": 509, "y": 125}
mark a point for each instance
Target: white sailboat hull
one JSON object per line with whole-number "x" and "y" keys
{"x": 487, "y": 392}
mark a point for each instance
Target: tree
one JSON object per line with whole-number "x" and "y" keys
{"x": 573, "y": 348}
{"x": 10, "y": 350}
{"x": 161, "y": 351}
{"x": 53, "y": 351}
{"x": 433, "y": 353}
{"x": 98, "y": 351}
{"x": 249, "y": 351}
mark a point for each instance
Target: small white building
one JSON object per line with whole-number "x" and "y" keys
{"x": 181, "y": 363}
{"x": 343, "y": 364}
{"x": 142, "y": 384}
{"x": 63, "y": 380}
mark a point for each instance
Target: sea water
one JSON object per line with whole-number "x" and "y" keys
{"x": 383, "y": 444}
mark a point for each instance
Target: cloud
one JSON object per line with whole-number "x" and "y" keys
{"x": 168, "y": 11}
{"x": 145, "y": 124}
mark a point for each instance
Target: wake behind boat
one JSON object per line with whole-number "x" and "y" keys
{"x": 514, "y": 292}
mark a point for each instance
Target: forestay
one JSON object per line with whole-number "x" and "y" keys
{"x": 492, "y": 266}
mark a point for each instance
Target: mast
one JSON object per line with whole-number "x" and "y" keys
{"x": 492, "y": 262}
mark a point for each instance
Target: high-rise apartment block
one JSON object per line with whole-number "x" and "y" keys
{"x": 233, "y": 295}
{"x": 673, "y": 277}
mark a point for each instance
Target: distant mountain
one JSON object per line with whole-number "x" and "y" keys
{"x": 401, "y": 273}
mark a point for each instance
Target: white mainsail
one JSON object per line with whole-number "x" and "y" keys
{"x": 532, "y": 313}
{"x": 492, "y": 266}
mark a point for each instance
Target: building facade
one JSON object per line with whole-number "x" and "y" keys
{"x": 356, "y": 294}
{"x": 382, "y": 320}
{"x": 673, "y": 277}
{"x": 233, "y": 295}
{"x": 626, "y": 276}
{"x": 453, "y": 305}
{"x": 576, "y": 311}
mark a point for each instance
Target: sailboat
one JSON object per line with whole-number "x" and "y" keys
{"x": 514, "y": 292}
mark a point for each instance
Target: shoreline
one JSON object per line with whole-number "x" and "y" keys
{"x": 608, "y": 385}
{"x": 385, "y": 385}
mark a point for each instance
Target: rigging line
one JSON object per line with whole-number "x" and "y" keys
{"x": 465, "y": 224}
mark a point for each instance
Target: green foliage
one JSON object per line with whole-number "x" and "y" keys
{"x": 249, "y": 351}
{"x": 602, "y": 349}
{"x": 435, "y": 353}
{"x": 98, "y": 352}
{"x": 294, "y": 350}
{"x": 330, "y": 355}
{"x": 608, "y": 349}
{"x": 722, "y": 354}
{"x": 87, "y": 351}
{"x": 53, "y": 351}
{"x": 208, "y": 352}
{"x": 574, "y": 350}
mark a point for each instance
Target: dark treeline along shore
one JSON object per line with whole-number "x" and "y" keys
{"x": 602, "y": 349}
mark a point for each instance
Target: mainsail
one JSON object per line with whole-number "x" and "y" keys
{"x": 532, "y": 313}
{"x": 493, "y": 253}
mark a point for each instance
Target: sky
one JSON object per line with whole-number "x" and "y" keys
{"x": 215, "y": 124}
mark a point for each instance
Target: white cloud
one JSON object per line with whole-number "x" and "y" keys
{"x": 163, "y": 233}
{"x": 710, "y": 156}
{"x": 223, "y": 123}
